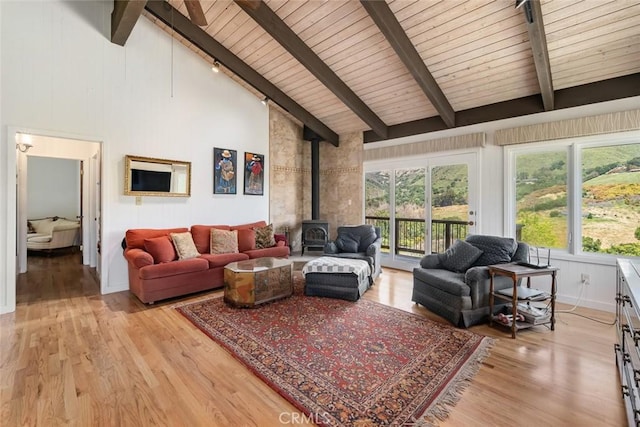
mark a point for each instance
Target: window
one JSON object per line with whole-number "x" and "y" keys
{"x": 610, "y": 195}
{"x": 541, "y": 198}
{"x": 581, "y": 196}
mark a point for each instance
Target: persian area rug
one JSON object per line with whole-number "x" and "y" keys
{"x": 348, "y": 363}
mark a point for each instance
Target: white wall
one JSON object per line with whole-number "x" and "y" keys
{"x": 53, "y": 187}
{"x": 61, "y": 75}
{"x": 600, "y": 293}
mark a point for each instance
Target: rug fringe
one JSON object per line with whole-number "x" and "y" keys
{"x": 440, "y": 409}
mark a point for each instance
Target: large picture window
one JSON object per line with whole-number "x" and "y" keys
{"x": 582, "y": 196}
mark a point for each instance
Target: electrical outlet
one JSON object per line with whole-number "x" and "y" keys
{"x": 585, "y": 279}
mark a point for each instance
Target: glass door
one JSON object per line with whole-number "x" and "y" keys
{"x": 421, "y": 207}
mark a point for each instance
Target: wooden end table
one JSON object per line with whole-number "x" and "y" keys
{"x": 257, "y": 281}
{"x": 517, "y": 272}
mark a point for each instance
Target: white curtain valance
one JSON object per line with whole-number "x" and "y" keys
{"x": 471, "y": 140}
{"x": 584, "y": 126}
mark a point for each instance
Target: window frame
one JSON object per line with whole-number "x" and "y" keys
{"x": 574, "y": 148}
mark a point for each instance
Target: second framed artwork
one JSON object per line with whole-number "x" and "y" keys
{"x": 254, "y": 174}
{"x": 225, "y": 163}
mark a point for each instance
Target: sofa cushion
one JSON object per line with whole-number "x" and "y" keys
{"x": 224, "y": 241}
{"x": 459, "y": 256}
{"x": 496, "y": 249}
{"x": 264, "y": 237}
{"x": 220, "y": 260}
{"x": 348, "y": 242}
{"x": 251, "y": 225}
{"x": 161, "y": 249}
{"x": 202, "y": 236}
{"x": 175, "y": 268}
{"x": 280, "y": 251}
{"x": 246, "y": 239}
{"x": 444, "y": 280}
{"x": 185, "y": 247}
{"x": 367, "y": 237}
{"x": 135, "y": 237}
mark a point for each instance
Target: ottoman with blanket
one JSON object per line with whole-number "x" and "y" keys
{"x": 337, "y": 278}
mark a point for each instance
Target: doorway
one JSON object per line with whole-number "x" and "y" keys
{"x": 78, "y": 152}
{"x": 421, "y": 205}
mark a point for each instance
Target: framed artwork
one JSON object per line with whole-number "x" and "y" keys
{"x": 254, "y": 174}
{"x": 225, "y": 162}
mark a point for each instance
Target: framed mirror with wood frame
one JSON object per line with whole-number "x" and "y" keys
{"x": 148, "y": 176}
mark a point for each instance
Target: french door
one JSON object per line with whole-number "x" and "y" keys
{"x": 421, "y": 205}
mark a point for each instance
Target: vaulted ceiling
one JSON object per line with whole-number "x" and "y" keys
{"x": 399, "y": 67}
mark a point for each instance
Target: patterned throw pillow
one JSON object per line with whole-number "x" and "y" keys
{"x": 184, "y": 245}
{"x": 264, "y": 237}
{"x": 460, "y": 256}
{"x": 224, "y": 241}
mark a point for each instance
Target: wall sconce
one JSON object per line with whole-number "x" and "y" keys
{"x": 216, "y": 66}
{"x": 265, "y": 101}
{"x": 23, "y": 142}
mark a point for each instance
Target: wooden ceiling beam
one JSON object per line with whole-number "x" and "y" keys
{"x": 591, "y": 93}
{"x": 124, "y": 16}
{"x": 272, "y": 24}
{"x": 386, "y": 21}
{"x": 538, "y": 39}
{"x": 196, "y": 35}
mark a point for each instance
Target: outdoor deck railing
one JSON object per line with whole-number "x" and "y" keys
{"x": 410, "y": 234}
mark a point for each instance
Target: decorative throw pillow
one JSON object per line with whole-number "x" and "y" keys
{"x": 264, "y": 237}
{"x": 496, "y": 249}
{"x": 161, "y": 249}
{"x": 224, "y": 241}
{"x": 460, "y": 256}
{"x": 246, "y": 239}
{"x": 367, "y": 237}
{"x": 348, "y": 242}
{"x": 185, "y": 247}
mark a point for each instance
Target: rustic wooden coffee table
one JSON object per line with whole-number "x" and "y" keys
{"x": 257, "y": 281}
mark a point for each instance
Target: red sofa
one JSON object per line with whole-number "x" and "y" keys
{"x": 152, "y": 281}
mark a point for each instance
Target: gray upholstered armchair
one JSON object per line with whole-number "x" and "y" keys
{"x": 358, "y": 242}
{"x": 455, "y": 284}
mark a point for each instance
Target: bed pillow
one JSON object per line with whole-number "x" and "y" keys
{"x": 185, "y": 247}
{"x": 161, "y": 249}
{"x": 459, "y": 257}
{"x": 224, "y": 241}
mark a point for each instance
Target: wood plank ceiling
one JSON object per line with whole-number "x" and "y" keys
{"x": 400, "y": 67}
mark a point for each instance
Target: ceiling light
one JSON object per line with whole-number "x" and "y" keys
{"x": 265, "y": 101}
{"x": 216, "y": 66}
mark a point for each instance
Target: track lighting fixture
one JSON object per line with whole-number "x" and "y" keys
{"x": 526, "y": 6}
{"x": 265, "y": 101}
{"x": 216, "y": 66}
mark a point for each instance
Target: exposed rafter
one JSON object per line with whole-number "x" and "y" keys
{"x": 538, "y": 39}
{"x": 124, "y": 16}
{"x": 183, "y": 26}
{"x": 395, "y": 34}
{"x": 273, "y": 25}
{"x": 591, "y": 93}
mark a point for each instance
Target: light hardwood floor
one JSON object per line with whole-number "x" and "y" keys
{"x": 72, "y": 356}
